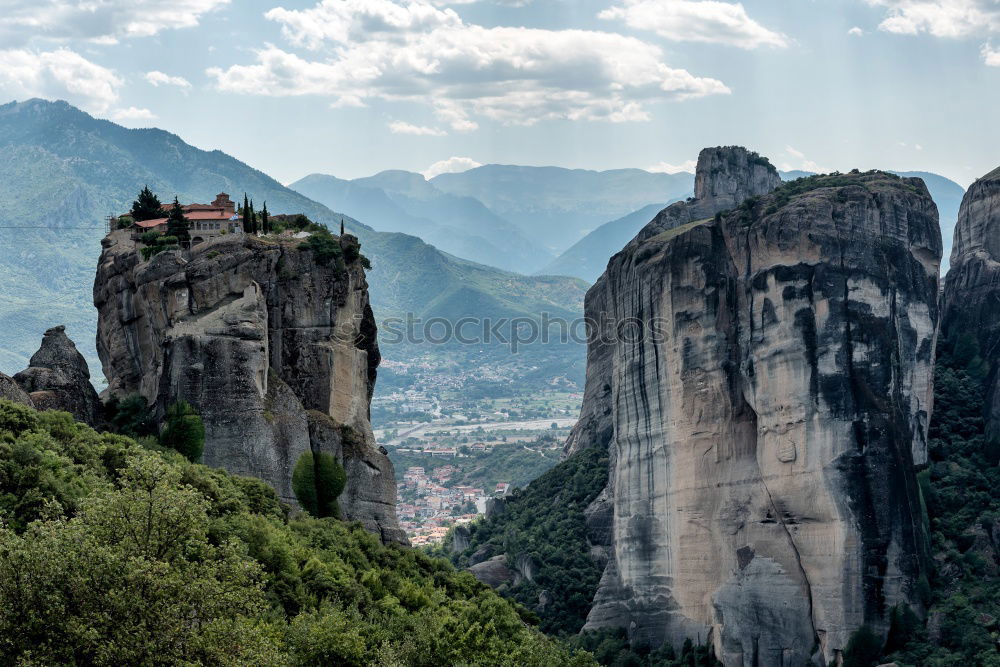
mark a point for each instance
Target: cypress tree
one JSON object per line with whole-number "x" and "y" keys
{"x": 265, "y": 224}
{"x": 177, "y": 224}
{"x": 147, "y": 206}
{"x": 247, "y": 217}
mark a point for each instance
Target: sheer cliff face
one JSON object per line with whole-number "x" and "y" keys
{"x": 764, "y": 424}
{"x": 724, "y": 177}
{"x": 972, "y": 288}
{"x": 276, "y": 352}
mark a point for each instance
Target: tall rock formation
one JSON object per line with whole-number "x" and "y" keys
{"x": 275, "y": 348}
{"x": 57, "y": 378}
{"x": 763, "y": 381}
{"x": 972, "y": 287}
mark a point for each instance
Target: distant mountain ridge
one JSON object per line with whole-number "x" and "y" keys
{"x": 402, "y": 201}
{"x": 588, "y": 257}
{"x": 558, "y": 206}
{"x": 64, "y": 171}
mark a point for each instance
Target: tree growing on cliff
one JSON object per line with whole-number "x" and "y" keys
{"x": 184, "y": 431}
{"x": 147, "y": 206}
{"x": 265, "y": 220}
{"x": 318, "y": 480}
{"x": 177, "y": 224}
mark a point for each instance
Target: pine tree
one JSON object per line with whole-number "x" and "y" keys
{"x": 147, "y": 206}
{"x": 265, "y": 223}
{"x": 177, "y": 224}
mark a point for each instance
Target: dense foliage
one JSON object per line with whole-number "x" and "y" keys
{"x": 555, "y": 540}
{"x": 963, "y": 505}
{"x": 147, "y": 206}
{"x": 113, "y": 554}
{"x": 183, "y": 431}
{"x": 611, "y": 647}
{"x": 318, "y": 480}
{"x": 177, "y": 223}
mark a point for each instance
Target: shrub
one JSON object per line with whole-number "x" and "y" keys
{"x": 130, "y": 416}
{"x": 183, "y": 431}
{"x": 318, "y": 480}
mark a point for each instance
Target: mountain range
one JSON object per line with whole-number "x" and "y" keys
{"x": 588, "y": 257}
{"x": 453, "y": 246}
{"x": 65, "y": 171}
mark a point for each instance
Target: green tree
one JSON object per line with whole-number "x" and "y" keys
{"x": 147, "y": 206}
{"x": 177, "y": 224}
{"x": 249, "y": 223}
{"x": 265, "y": 219}
{"x": 184, "y": 431}
{"x": 130, "y": 416}
{"x": 318, "y": 480}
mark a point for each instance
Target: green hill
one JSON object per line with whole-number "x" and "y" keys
{"x": 114, "y": 554}
{"x": 64, "y": 171}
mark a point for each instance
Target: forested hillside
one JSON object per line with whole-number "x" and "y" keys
{"x": 114, "y": 554}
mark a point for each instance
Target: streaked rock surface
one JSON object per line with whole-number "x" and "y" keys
{"x": 972, "y": 288}
{"x": 255, "y": 334}
{"x": 765, "y": 422}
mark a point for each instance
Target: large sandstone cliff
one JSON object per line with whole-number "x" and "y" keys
{"x": 275, "y": 350}
{"x": 972, "y": 287}
{"x": 762, "y": 379}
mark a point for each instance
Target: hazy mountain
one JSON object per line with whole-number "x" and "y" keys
{"x": 65, "y": 170}
{"x": 588, "y": 257}
{"x": 402, "y": 201}
{"x": 558, "y": 207}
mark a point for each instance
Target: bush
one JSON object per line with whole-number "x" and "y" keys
{"x": 325, "y": 248}
{"x": 130, "y": 416}
{"x": 183, "y": 431}
{"x": 318, "y": 480}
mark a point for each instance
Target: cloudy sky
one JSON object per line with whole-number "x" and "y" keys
{"x": 351, "y": 87}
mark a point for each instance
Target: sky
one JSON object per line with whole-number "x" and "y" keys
{"x": 353, "y": 87}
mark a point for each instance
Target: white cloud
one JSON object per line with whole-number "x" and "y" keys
{"x": 991, "y": 56}
{"x": 940, "y": 18}
{"x": 667, "y": 168}
{"x": 157, "y": 78}
{"x": 452, "y": 165}
{"x": 402, "y": 127}
{"x": 59, "y": 74}
{"x": 101, "y": 21}
{"x": 855, "y": 32}
{"x": 133, "y": 113}
{"x": 696, "y": 21}
{"x": 416, "y": 52}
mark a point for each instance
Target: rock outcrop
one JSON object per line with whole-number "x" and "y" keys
{"x": 275, "y": 349}
{"x": 972, "y": 287}
{"x": 57, "y": 378}
{"x": 11, "y": 391}
{"x": 763, "y": 381}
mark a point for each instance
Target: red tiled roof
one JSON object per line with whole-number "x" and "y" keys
{"x": 214, "y": 214}
{"x": 146, "y": 224}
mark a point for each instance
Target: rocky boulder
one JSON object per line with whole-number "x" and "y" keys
{"x": 11, "y": 391}
{"x": 57, "y": 378}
